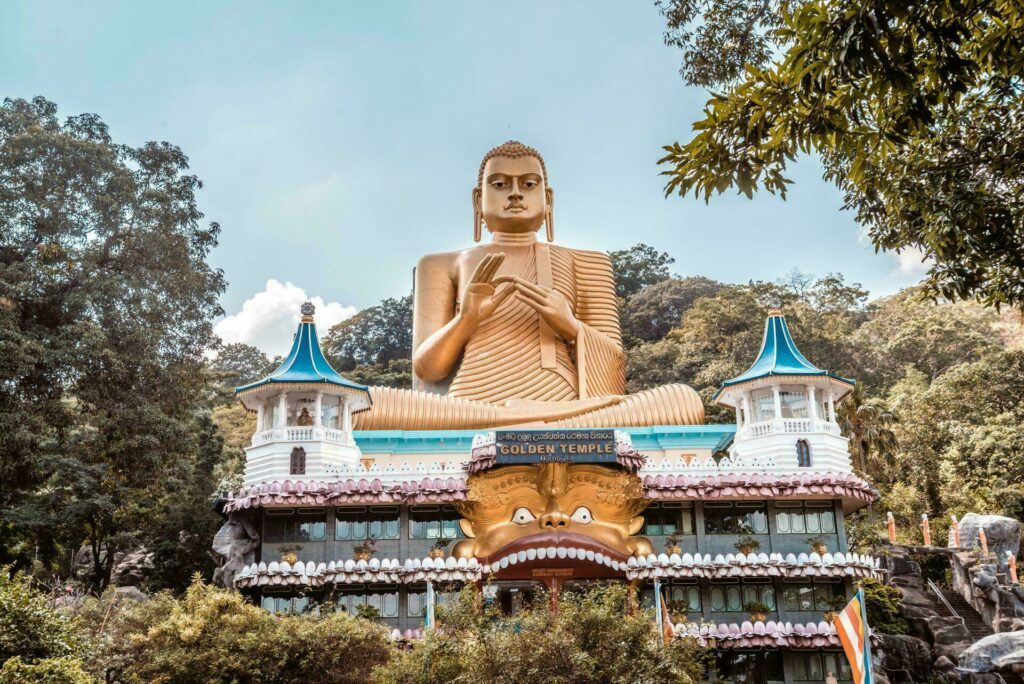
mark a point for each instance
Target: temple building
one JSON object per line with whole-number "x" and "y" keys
{"x": 745, "y": 521}
{"x": 518, "y": 463}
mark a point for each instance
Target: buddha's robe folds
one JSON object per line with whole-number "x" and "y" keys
{"x": 516, "y": 371}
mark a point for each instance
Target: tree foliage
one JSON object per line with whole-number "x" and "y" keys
{"x": 637, "y": 267}
{"x": 592, "y": 638}
{"x": 914, "y": 108}
{"x": 374, "y": 336}
{"x": 30, "y": 628}
{"x": 214, "y": 635}
{"x": 106, "y": 302}
{"x": 238, "y": 364}
{"x": 653, "y": 311}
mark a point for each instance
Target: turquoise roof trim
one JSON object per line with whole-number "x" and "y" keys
{"x": 306, "y": 363}
{"x": 714, "y": 437}
{"x": 779, "y": 356}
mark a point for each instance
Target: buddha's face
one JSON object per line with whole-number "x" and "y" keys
{"x": 513, "y": 197}
{"x": 517, "y": 508}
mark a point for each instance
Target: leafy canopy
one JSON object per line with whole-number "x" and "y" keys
{"x": 915, "y": 108}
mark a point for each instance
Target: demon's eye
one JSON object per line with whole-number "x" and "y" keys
{"x": 522, "y": 516}
{"x": 582, "y": 515}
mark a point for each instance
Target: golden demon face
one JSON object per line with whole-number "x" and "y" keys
{"x": 516, "y": 508}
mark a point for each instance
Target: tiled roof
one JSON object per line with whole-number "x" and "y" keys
{"x": 753, "y": 565}
{"x": 344, "y": 492}
{"x": 735, "y": 485}
{"x": 385, "y": 571}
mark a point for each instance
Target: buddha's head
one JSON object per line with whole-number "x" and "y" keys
{"x": 512, "y": 194}
{"x": 581, "y": 506}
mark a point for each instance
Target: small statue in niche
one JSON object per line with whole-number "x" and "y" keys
{"x": 305, "y": 418}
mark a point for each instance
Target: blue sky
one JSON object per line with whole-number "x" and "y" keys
{"x": 339, "y": 141}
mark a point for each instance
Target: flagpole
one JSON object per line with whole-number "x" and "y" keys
{"x": 867, "y": 638}
{"x": 657, "y": 612}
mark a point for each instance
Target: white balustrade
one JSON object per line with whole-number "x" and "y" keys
{"x": 789, "y": 426}
{"x": 296, "y": 433}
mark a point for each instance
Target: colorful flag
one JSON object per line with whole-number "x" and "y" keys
{"x": 668, "y": 629}
{"x": 852, "y": 628}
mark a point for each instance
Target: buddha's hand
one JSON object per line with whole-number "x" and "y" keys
{"x": 482, "y": 295}
{"x": 552, "y": 307}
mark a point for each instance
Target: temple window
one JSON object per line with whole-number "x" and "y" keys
{"x": 330, "y": 410}
{"x": 812, "y": 517}
{"x": 679, "y": 597}
{"x": 794, "y": 402}
{"x": 731, "y": 598}
{"x": 384, "y": 600}
{"x": 297, "y": 464}
{"x": 749, "y": 666}
{"x": 810, "y": 597}
{"x": 815, "y": 667}
{"x": 280, "y": 605}
{"x": 668, "y": 518}
{"x": 803, "y": 453}
{"x": 416, "y": 600}
{"x": 764, "y": 404}
{"x": 434, "y": 522}
{"x": 735, "y": 518}
{"x": 376, "y": 522}
{"x": 286, "y": 525}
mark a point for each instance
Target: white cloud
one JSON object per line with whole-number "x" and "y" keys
{"x": 912, "y": 261}
{"x": 268, "y": 319}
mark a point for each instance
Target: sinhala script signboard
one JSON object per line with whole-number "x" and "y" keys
{"x": 538, "y": 446}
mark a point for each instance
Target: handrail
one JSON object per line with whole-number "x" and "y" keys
{"x": 938, "y": 594}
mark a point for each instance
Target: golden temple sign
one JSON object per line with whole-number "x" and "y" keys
{"x": 540, "y": 446}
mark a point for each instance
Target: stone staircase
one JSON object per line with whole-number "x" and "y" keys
{"x": 976, "y": 626}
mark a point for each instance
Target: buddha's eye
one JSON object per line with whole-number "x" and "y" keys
{"x": 522, "y": 516}
{"x": 530, "y": 184}
{"x": 582, "y": 515}
{"x": 498, "y": 184}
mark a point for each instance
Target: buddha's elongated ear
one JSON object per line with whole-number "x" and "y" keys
{"x": 549, "y": 216}
{"x": 636, "y": 524}
{"x": 477, "y": 217}
{"x": 467, "y": 527}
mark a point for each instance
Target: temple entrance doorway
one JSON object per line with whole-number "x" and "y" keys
{"x": 513, "y": 597}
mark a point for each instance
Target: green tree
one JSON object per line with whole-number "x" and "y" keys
{"x": 867, "y": 422}
{"x": 592, "y": 638}
{"x": 914, "y": 109}
{"x": 905, "y": 330}
{"x": 30, "y": 628}
{"x": 374, "y": 336}
{"x": 106, "y": 303}
{"x": 214, "y": 635}
{"x": 637, "y": 267}
{"x": 649, "y": 314}
{"x": 238, "y": 364}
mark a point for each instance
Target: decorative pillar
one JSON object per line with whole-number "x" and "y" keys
{"x": 430, "y": 604}
{"x": 739, "y": 418}
{"x": 890, "y": 524}
{"x": 346, "y": 416}
{"x": 926, "y": 530}
{"x": 746, "y": 408}
{"x": 813, "y": 399}
{"x": 777, "y": 396}
{"x": 831, "y": 407}
{"x": 319, "y": 421}
{"x": 260, "y": 417}
{"x": 282, "y": 410}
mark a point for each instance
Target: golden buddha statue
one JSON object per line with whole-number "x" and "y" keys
{"x": 519, "y": 332}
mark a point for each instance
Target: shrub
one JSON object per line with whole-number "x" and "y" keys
{"x": 30, "y": 628}
{"x": 215, "y": 635}
{"x": 883, "y": 607}
{"x": 64, "y": 670}
{"x": 592, "y": 638}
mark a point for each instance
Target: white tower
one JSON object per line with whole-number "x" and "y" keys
{"x": 786, "y": 408}
{"x": 303, "y": 415}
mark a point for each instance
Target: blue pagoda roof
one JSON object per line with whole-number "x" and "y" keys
{"x": 779, "y": 356}
{"x": 305, "y": 363}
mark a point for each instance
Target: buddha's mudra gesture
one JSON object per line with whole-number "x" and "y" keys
{"x": 519, "y": 332}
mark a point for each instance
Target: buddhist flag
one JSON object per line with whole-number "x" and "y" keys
{"x": 852, "y": 628}
{"x": 668, "y": 630}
